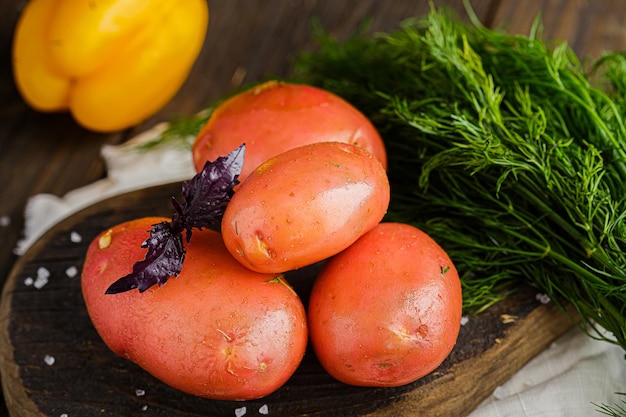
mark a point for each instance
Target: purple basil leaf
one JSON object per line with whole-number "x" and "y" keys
{"x": 206, "y": 196}
{"x": 164, "y": 259}
{"x": 208, "y": 192}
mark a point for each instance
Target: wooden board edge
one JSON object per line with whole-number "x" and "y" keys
{"x": 15, "y": 398}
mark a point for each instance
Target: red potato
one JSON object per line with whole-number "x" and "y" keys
{"x": 305, "y": 205}
{"x": 218, "y": 331}
{"x": 387, "y": 310}
{"x": 275, "y": 117}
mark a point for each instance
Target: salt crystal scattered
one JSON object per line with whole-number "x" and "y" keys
{"x": 49, "y": 360}
{"x": 71, "y": 271}
{"x": 5, "y": 221}
{"x": 241, "y": 411}
{"x": 264, "y": 410}
{"x": 40, "y": 282}
{"x": 464, "y": 320}
{"x": 43, "y": 272}
{"x": 64, "y": 415}
{"x": 42, "y": 278}
{"x": 140, "y": 392}
{"x": 28, "y": 281}
{"x": 542, "y": 298}
{"x": 144, "y": 408}
{"x": 75, "y": 237}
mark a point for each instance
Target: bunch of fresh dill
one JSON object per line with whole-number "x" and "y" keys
{"x": 503, "y": 151}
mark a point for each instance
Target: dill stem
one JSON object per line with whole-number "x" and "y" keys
{"x": 569, "y": 228}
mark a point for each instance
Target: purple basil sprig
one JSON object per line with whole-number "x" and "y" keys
{"x": 205, "y": 198}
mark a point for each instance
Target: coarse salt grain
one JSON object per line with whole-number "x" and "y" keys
{"x": 140, "y": 392}
{"x": 144, "y": 408}
{"x": 241, "y": 411}
{"x": 75, "y": 237}
{"x": 542, "y": 298}
{"x": 40, "y": 282}
{"x": 5, "y": 221}
{"x": 71, "y": 272}
{"x": 464, "y": 320}
{"x": 43, "y": 272}
{"x": 264, "y": 410}
{"x": 64, "y": 415}
{"x": 49, "y": 360}
{"x": 28, "y": 281}
{"x": 42, "y": 278}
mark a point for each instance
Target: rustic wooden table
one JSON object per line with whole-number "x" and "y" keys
{"x": 247, "y": 40}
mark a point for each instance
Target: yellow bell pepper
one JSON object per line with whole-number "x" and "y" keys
{"x": 111, "y": 63}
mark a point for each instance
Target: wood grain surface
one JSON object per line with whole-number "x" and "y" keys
{"x": 86, "y": 379}
{"x": 247, "y": 41}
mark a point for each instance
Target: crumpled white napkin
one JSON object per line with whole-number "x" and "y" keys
{"x": 128, "y": 169}
{"x": 572, "y": 378}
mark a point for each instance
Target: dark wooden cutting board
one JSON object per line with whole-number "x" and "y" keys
{"x": 54, "y": 363}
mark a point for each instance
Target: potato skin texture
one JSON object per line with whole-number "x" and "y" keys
{"x": 218, "y": 331}
{"x": 274, "y": 117}
{"x": 387, "y": 310}
{"x": 305, "y": 205}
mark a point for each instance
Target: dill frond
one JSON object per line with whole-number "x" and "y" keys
{"x": 503, "y": 151}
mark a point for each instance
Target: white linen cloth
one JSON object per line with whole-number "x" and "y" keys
{"x": 128, "y": 169}
{"x": 573, "y": 377}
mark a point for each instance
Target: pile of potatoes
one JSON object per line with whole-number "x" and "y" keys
{"x": 385, "y": 309}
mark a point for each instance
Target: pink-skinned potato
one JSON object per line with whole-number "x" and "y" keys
{"x": 274, "y": 117}
{"x": 387, "y": 310}
{"x": 305, "y": 205}
{"x": 218, "y": 330}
